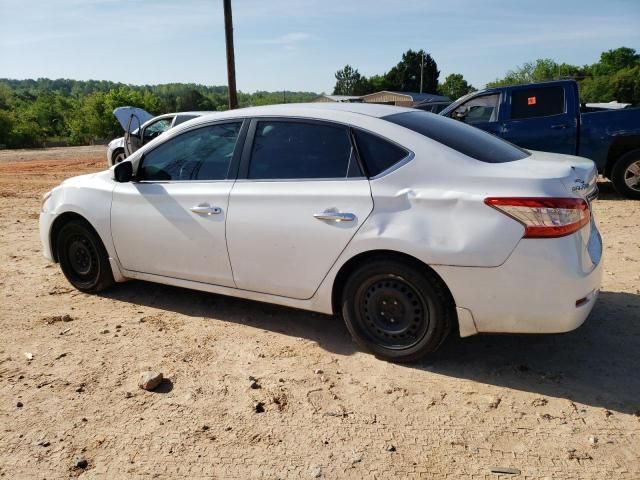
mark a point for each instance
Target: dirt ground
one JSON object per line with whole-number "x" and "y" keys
{"x": 558, "y": 406}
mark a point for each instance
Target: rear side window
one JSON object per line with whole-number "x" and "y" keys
{"x": 466, "y": 139}
{"x": 377, "y": 154}
{"x": 537, "y": 102}
{"x": 289, "y": 149}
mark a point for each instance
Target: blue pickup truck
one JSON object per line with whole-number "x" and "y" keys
{"x": 549, "y": 117}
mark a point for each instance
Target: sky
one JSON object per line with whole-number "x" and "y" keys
{"x": 298, "y": 45}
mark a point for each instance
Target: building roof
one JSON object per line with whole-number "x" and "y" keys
{"x": 414, "y": 96}
{"x": 340, "y": 98}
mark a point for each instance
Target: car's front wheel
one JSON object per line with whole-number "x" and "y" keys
{"x": 83, "y": 258}
{"x": 397, "y": 309}
{"x": 118, "y": 156}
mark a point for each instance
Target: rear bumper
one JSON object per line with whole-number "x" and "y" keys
{"x": 545, "y": 286}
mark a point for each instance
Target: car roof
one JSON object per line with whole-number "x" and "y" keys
{"x": 296, "y": 109}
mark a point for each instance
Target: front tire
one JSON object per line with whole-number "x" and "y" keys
{"x": 397, "y": 310}
{"x": 625, "y": 175}
{"x": 83, "y": 258}
{"x": 118, "y": 156}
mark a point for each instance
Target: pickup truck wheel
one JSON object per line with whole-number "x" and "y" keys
{"x": 83, "y": 258}
{"x": 625, "y": 175}
{"x": 396, "y": 310}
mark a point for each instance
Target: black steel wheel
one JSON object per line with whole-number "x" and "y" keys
{"x": 398, "y": 309}
{"x": 83, "y": 258}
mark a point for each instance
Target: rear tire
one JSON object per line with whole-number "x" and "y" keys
{"x": 625, "y": 175}
{"x": 83, "y": 258}
{"x": 396, "y": 309}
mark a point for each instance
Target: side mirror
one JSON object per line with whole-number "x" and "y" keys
{"x": 123, "y": 172}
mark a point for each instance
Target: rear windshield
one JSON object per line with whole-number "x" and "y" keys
{"x": 466, "y": 139}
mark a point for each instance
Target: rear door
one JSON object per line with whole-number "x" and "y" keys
{"x": 299, "y": 199}
{"x": 541, "y": 117}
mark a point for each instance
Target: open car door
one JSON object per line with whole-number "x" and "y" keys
{"x": 132, "y": 135}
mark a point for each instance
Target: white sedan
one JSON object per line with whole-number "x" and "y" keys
{"x": 408, "y": 224}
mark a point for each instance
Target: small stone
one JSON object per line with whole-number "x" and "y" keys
{"x": 81, "y": 463}
{"x": 357, "y": 458}
{"x": 317, "y": 371}
{"x": 506, "y": 470}
{"x": 593, "y": 439}
{"x": 28, "y": 355}
{"x": 80, "y": 388}
{"x": 105, "y": 331}
{"x": 67, "y": 318}
{"x": 391, "y": 448}
{"x": 150, "y": 380}
{"x": 84, "y": 419}
{"x": 258, "y": 407}
{"x": 19, "y": 405}
{"x": 118, "y": 326}
{"x": 205, "y": 428}
{"x": 254, "y": 385}
{"x": 316, "y": 471}
{"x": 43, "y": 443}
{"x": 128, "y": 395}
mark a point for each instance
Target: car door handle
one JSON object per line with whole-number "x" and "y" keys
{"x": 205, "y": 209}
{"x": 560, "y": 126}
{"x": 335, "y": 216}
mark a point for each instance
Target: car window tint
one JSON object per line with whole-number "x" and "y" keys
{"x": 537, "y": 102}
{"x": 202, "y": 154}
{"x": 288, "y": 149}
{"x": 466, "y": 139}
{"x": 377, "y": 154}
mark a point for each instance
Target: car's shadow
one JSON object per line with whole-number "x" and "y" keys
{"x": 597, "y": 365}
{"x": 607, "y": 190}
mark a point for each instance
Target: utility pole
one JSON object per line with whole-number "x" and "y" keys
{"x": 231, "y": 62}
{"x": 421, "y": 71}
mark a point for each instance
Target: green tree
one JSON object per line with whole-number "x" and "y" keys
{"x": 405, "y": 76}
{"x": 612, "y": 61}
{"x": 350, "y": 82}
{"x": 455, "y": 86}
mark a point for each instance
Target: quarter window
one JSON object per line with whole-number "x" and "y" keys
{"x": 202, "y": 154}
{"x": 537, "y": 102}
{"x": 377, "y": 154}
{"x": 287, "y": 150}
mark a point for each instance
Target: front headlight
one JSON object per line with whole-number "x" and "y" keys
{"x": 45, "y": 197}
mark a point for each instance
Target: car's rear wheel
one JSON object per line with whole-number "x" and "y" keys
{"x": 625, "y": 175}
{"x": 83, "y": 258}
{"x": 396, "y": 309}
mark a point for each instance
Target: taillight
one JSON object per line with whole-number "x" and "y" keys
{"x": 544, "y": 217}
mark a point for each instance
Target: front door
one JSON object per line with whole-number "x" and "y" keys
{"x": 171, "y": 220}
{"x": 299, "y": 200}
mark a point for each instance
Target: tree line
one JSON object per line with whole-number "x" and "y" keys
{"x": 616, "y": 76}
{"x": 43, "y": 111}
{"x": 405, "y": 76}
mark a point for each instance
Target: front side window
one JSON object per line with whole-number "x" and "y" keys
{"x": 537, "y": 102}
{"x": 299, "y": 150}
{"x": 201, "y": 154}
{"x": 481, "y": 109}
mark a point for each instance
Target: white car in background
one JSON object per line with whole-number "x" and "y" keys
{"x": 408, "y": 224}
{"x": 136, "y": 120}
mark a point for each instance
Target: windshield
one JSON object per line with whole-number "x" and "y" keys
{"x": 463, "y": 138}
